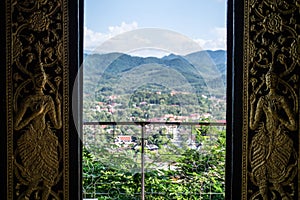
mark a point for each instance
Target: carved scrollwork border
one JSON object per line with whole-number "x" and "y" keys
{"x": 37, "y": 98}
{"x": 245, "y": 103}
{"x": 270, "y": 149}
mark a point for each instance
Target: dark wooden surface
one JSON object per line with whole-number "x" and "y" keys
{"x": 3, "y": 156}
{"x": 235, "y": 24}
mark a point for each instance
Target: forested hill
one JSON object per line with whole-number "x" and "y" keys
{"x": 203, "y": 72}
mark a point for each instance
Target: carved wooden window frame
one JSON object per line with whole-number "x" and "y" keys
{"x": 45, "y": 38}
{"x": 271, "y": 26}
{"x": 238, "y": 132}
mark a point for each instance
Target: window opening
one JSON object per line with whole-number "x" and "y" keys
{"x": 154, "y": 99}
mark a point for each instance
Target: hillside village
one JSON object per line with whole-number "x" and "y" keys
{"x": 108, "y": 99}
{"x": 171, "y": 96}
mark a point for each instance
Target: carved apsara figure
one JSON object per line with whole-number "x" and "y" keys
{"x": 37, "y": 147}
{"x": 271, "y": 148}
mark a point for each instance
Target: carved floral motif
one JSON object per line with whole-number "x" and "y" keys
{"x": 273, "y": 23}
{"x": 39, "y": 21}
{"x": 295, "y": 50}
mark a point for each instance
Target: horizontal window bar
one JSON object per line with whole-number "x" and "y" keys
{"x": 143, "y": 123}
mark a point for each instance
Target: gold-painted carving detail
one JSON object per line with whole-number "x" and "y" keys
{"x": 39, "y": 90}
{"x": 272, "y": 48}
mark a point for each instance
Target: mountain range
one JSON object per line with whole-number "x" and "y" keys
{"x": 202, "y": 72}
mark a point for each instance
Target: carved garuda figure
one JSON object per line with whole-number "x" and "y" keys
{"x": 272, "y": 157}
{"x": 37, "y": 154}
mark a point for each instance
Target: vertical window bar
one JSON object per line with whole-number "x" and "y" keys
{"x": 143, "y": 161}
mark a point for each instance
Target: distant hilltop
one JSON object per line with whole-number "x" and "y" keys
{"x": 203, "y": 71}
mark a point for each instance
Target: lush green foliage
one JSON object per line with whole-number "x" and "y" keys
{"x": 198, "y": 173}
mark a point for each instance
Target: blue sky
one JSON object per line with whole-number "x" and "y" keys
{"x": 203, "y": 21}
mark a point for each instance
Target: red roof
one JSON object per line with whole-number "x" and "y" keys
{"x": 125, "y": 138}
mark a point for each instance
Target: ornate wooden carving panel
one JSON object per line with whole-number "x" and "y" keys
{"x": 271, "y": 100}
{"x": 37, "y": 99}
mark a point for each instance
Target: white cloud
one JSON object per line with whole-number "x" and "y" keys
{"x": 150, "y": 38}
{"x": 116, "y": 30}
{"x": 94, "y": 39}
{"x": 218, "y": 41}
{"x": 166, "y": 40}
